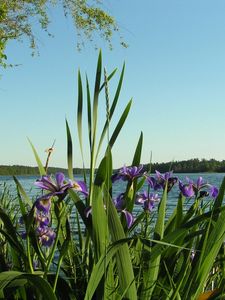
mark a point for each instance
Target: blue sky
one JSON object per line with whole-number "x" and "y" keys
{"x": 175, "y": 73}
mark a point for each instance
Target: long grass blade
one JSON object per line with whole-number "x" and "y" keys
{"x": 154, "y": 265}
{"x": 137, "y": 154}
{"x": 69, "y": 152}
{"x": 99, "y": 269}
{"x": 16, "y": 280}
{"x": 80, "y": 207}
{"x": 96, "y": 95}
{"x": 89, "y": 112}
{"x": 39, "y": 163}
{"x": 112, "y": 109}
{"x": 80, "y": 113}
{"x": 108, "y": 78}
{"x": 120, "y": 124}
{"x": 22, "y": 192}
{"x": 123, "y": 259}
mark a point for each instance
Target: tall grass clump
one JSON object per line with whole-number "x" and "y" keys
{"x": 78, "y": 240}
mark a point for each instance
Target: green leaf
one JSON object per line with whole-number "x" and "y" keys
{"x": 99, "y": 222}
{"x": 123, "y": 259}
{"x": 89, "y": 112}
{"x": 5, "y": 279}
{"x": 14, "y": 244}
{"x": 16, "y": 280}
{"x": 219, "y": 199}
{"x": 179, "y": 214}
{"x": 154, "y": 265}
{"x": 159, "y": 227}
{"x": 171, "y": 222}
{"x": 102, "y": 173}
{"x": 80, "y": 207}
{"x": 63, "y": 288}
{"x": 23, "y": 193}
{"x": 112, "y": 109}
{"x": 137, "y": 154}
{"x": 108, "y": 78}
{"x": 96, "y": 95}
{"x": 40, "y": 166}
{"x": 98, "y": 271}
{"x": 9, "y": 227}
{"x": 214, "y": 242}
{"x": 69, "y": 152}
{"x": 117, "y": 94}
{"x": 99, "y": 268}
{"x": 120, "y": 124}
{"x": 80, "y": 112}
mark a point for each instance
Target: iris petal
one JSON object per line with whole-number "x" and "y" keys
{"x": 199, "y": 182}
{"x": 81, "y": 187}
{"x": 129, "y": 218}
{"x": 213, "y": 191}
{"x": 46, "y": 183}
{"x": 60, "y": 177}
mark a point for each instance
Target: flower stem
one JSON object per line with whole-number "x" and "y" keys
{"x": 51, "y": 255}
{"x": 29, "y": 256}
{"x": 57, "y": 273}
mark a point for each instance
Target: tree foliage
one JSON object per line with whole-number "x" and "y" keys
{"x": 185, "y": 166}
{"x": 18, "y": 17}
{"x": 191, "y": 166}
{"x": 27, "y": 170}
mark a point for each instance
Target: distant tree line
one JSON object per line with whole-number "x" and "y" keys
{"x": 190, "y": 166}
{"x": 185, "y": 166}
{"x": 26, "y": 170}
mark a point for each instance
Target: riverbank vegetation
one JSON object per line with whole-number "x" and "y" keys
{"x": 76, "y": 240}
{"x": 185, "y": 166}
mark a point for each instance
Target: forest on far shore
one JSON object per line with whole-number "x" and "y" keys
{"x": 185, "y": 166}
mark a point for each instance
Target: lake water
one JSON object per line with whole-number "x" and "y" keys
{"x": 28, "y": 184}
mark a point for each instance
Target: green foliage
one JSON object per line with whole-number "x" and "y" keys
{"x": 191, "y": 166}
{"x": 15, "y": 22}
{"x": 26, "y": 170}
{"x": 186, "y": 166}
{"x": 17, "y": 19}
{"x": 95, "y": 253}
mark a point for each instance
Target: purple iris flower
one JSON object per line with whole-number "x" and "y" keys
{"x": 160, "y": 180}
{"x": 23, "y": 235}
{"x": 164, "y": 176}
{"x": 42, "y": 218}
{"x": 129, "y": 218}
{"x": 56, "y": 187}
{"x": 59, "y": 186}
{"x": 128, "y": 173}
{"x": 186, "y": 189}
{"x": 80, "y": 186}
{"x": 43, "y": 204}
{"x": 119, "y": 202}
{"x": 147, "y": 200}
{"x": 120, "y": 205}
{"x": 88, "y": 211}
{"x": 213, "y": 191}
{"x": 153, "y": 182}
{"x": 46, "y": 236}
{"x": 190, "y": 188}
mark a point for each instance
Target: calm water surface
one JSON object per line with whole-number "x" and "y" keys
{"x": 28, "y": 184}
